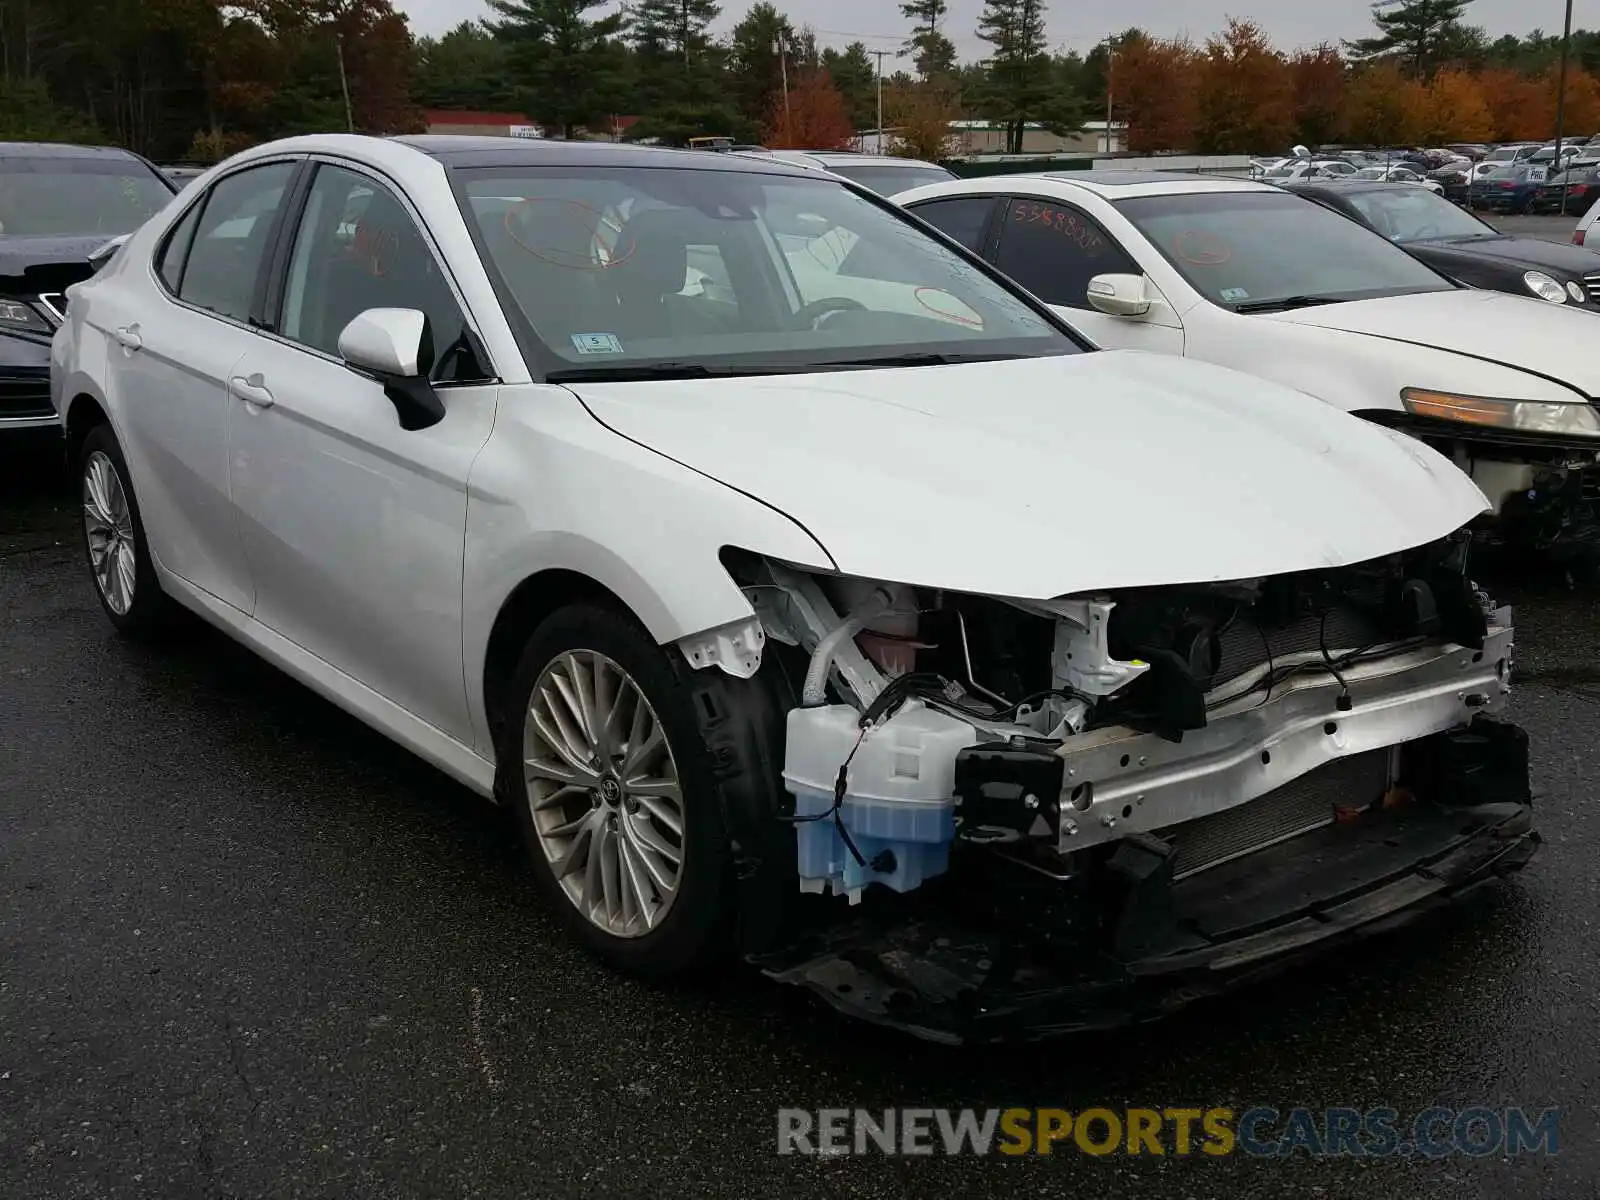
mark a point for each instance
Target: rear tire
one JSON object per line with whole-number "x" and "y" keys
{"x": 115, "y": 546}
{"x": 611, "y": 783}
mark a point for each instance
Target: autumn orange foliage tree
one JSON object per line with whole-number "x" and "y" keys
{"x": 920, "y": 115}
{"x": 1317, "y": 82}
{"x": 811, "y": 117}
{"x": 1238, "y": 94}
{"x": 1153, "y": 83}
{"x": 1374, "y": 106}
{"x": 1513, "y": 102}
{"x": 1582, "y": 116}
{"x": 1242, "y": 92}
{"x": 1451, "y": 108}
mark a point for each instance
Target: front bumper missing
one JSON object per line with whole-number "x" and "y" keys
{"x": 1117, "y": 781}
{"x": 994, "y": 953}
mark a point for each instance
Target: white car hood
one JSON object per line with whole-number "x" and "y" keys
{"x": 1041, "y": 477}
{"x": 1527, "y": 334}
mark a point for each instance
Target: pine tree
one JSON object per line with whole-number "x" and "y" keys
{"x": 682, "y": 89}
{"x": 565, "y": 67}
{"x": 755, "y": 69}
{"x": 933, "y": 53}
{"x": 1420, "y": 32}
{"x": 855, "y": 77}
{"x": 1021, "y": 87}
{"x": 674, "y": 30}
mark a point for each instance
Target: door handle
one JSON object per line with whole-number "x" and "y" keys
{"x": 128, "y": 337}
{"x": 252, "y": 391}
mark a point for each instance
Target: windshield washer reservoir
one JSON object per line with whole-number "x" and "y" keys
{"x": 899, "y": 801}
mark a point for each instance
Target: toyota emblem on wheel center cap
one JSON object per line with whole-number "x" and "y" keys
{"x": 610, "y": 790}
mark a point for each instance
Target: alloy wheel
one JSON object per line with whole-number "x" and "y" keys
{"x": 108, "y": 528}
{"x": 604, "y": 792}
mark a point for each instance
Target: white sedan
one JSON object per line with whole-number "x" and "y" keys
{"x": 734, "y": 581}
{"x": 1398, "y": 174}
{"x": 1306, "y": 168}
{"x": 1252, "y": 277}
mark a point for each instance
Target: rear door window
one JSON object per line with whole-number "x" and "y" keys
{"x": 231, "y": 241}
{"x": 175, "y": 251}
{"x": 1055, "y": 249}
{"x": 965, "y": 218}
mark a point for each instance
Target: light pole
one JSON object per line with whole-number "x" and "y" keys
{"x": 344, "y": 84}
{"x": 1561, "y": 84}
{"x": 1111, "y": 58}
{"x": 783, "y": 68}
{"x": 1561, "y": 100}
{"x": 880, "y": 54}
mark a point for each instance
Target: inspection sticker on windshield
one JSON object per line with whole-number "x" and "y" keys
{"x": 1234, "y": 295}
{"x": 597, "y": 343}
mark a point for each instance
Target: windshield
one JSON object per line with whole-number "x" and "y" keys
{"x": 888, "y": 178}
{"x": 1254, "y": 250}
{"x": 710, "y": 271}
{"x": 1370, "y": 173}
{"x": 1504, "y": 154}
{"x": 64, "y": 197}
{"x": 1415, "y": 214}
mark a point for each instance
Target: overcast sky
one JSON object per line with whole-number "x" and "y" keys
{"x": 1078, "y": 24}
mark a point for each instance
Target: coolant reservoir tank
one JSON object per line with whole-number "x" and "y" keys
{"x": 899, "y": 801}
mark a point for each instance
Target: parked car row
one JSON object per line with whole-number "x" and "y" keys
{"x": 1519, "y": 177}
{"x": 1465, "y": 248}
{"x": 771, "y": 548}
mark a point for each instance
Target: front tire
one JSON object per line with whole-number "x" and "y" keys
{"x": 611, "y": 784}
{"x": 118, "y": 553}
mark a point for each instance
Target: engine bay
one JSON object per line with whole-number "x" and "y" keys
{"x": 1022, "y": 817}
{"x": 1038, "y": 731}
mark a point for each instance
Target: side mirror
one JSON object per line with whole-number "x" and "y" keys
{"x": 395, "y": 346}
{"x": 101, "y": 255}
{"x": 1119, "y": 295}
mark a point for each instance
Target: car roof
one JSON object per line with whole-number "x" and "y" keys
{"x": 468, "y": 150}
{"x": 1109, "y": 185}
{"x": 62, "y": 150}
{"x": 894, "y": 160}
{"x": 1346, "y": 187}
{"x": 1116, "y": 185}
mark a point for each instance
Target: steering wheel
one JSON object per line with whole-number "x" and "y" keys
{"x": 813, "y": 313}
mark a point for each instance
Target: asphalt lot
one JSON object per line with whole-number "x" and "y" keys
{"x": 249, "y": 948}
{"x": 1547, "y": 228}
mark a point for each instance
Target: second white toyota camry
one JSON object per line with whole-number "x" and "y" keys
{"x": 801, "y": 584}
{"x": 1254, "y": 278}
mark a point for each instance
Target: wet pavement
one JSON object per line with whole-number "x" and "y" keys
{"x": 249, "y": 948}
{"x": 1551, "y": 227}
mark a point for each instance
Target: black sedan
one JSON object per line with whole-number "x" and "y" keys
{"x": 1573, "y": 191}
{"x": 58, "y": 206}
{"x": 1459, "y": 245}
{"x": 1455, "y": 178}
{"x": 1507, "y": 189}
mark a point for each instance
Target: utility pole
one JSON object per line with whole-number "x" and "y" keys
{"x": 1561, "y": 86}
{"x": 880, "y": 54}
{"x": 783, "y": 67}
{"x": 344, "y": 84}
{"x": 1111, "y": 58}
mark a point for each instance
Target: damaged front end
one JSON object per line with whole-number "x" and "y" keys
{"x": 1542, "y": 480}
{"x": 1014, "y": 818}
